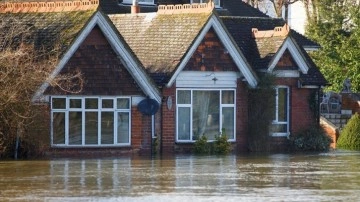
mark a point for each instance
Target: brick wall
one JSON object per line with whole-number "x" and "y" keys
{"x": 301, "y": 115}
{"x": 350, "y": 101}
{"x": 241, "y": 116}
{"x": 140, "y": 132}
{"x": 168, "y": 121}
{"x": 103, "y": 72}
{"x": 211, "y": 55}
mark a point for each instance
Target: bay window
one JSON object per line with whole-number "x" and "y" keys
{"x": 90, "y": 121}
{"x": 204, "y": 112}
{"x": 280, "y": 123}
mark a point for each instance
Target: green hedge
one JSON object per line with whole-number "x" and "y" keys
{"x": 311, "y": 139}
{"x": 350, "y": 136}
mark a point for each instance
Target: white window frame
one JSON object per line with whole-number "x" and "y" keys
{"x": 142, "y": 2}
{"x": 191, "y": 111}
{"x": 276, "y": 121}
{"x": 99, "y": 110}
{"x": 205, "y": 1}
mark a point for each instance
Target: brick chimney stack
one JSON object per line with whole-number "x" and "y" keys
{"x": 135, "y": 8}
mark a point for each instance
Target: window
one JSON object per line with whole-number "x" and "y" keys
{"x": 139, "y": 1}
{"x": 90, "y": 121}
{"x": 216, "y": 2}
{"x": 280, "y": 123}
{"x": 205, "y": 112}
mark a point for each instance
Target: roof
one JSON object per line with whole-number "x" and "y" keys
{"x": 240, "y": 29}
{"x": 266, "y": 48}
{"x": 260, "y": 51}
{"x": 160, "y": 40}
{"x": 313, "y": 76}
{"x": 235, "y": 8}
{"x": 239, "y": 8}
{"x": 44, "y": 30}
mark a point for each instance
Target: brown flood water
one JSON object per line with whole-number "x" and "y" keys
{"x": 333, "y": 176}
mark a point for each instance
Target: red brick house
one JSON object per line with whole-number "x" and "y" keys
{"x": 191, "y": 64}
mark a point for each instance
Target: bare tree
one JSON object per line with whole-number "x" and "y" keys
{"x": 23, "y": 67}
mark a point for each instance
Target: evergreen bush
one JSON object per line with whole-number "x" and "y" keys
{"x": 221, "y": 144}
{"x": 350, "y": 136}
{"x": 313, "y": 138}
{"x": 201, "y": 146}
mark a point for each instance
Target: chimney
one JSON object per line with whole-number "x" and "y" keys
{"x": 135, "y": 8}
{"x": 277, "y": 31}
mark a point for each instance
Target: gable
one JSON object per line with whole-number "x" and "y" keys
{"x": 295, "y": 52}
{"x": 211, "y": 55}
{"x": 120, "y": 48}
{"x": 102, "y": 72}
{"x": 286, "y": 62}
{"x": 234, "y": 52}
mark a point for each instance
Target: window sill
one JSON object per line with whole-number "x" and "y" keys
{"x": 88, "y": 146}
{"x": 192, "y": 142}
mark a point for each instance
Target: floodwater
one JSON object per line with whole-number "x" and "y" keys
{"x": 333, "y": 176}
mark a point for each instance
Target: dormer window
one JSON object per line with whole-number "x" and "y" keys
{"x": 216, "y": 2}
{"x": 146, "y": 2}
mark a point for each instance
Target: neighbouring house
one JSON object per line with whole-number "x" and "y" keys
{"x": 171, "y": 74}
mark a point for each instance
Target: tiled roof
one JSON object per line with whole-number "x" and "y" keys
{"x": 47, "y": 29}
{"x": 228, "y": 7}
{"x": 240, "y": 29}
{"x": 304, "y": 41}
{"x": 159, "y": 40}
{"x": 314, "y": 76}
{"x": 239, "y": 8}
{"x": 259, "y": 52}
{"x": 267, "y": 48}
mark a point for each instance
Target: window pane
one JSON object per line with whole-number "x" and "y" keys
{"x": 282, "y": 104}
{"x": 75, "y": 125}
{"x": 228, "y": 121}
{"x": 146, "y": 1}
{"x": 91, "y": 127}
{"x": 227, "y": 97}
{"x": 59, "y": 103}
{"x": 206, "y": 114}
{"x": 91, "y": 103}
{"x": 59, "y": 128}
{"x": 107, "y": 128}
{"x": 278, "y": 128}
{"x": 184, "y": 97}
{"x": 184, "y": 123}
{"x": 107, "y": 103}
{"x": 123, "y": 127}
{"x": 123, "y": 103}
{"x": 75, "y": 103}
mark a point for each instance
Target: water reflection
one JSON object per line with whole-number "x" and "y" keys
{"x": 331, "y": 176}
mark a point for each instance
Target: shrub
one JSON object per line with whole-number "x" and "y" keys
{"x": 221, "y": 144}
{"x": 201, "y": 146}
{"x": 311, "y": 139}
{"x": 261, "y": 110}
{"x": 350, "y": 136}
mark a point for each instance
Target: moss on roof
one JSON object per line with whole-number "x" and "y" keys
{"x": 160, "y": 41}
{"x": 45, "y": 30}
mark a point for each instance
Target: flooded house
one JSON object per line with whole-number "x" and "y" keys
{"x": 160, "y": 74}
